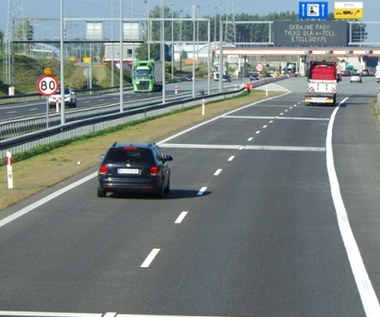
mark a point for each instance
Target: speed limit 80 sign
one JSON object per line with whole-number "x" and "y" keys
{"x": 47, "y": 85}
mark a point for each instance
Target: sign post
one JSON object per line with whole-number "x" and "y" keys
{"x": 9, "y": 169}
{"x": 259, "y": 67}
{"x": 348, "y": 10}
{"x": 47, "y": 85}
{"x": 313, "y": 10}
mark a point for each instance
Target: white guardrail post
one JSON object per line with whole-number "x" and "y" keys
{"x": 9, "y": 169}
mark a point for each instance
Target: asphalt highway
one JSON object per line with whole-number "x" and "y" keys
{"x": 273, "y": 212}
{"x": 181, "y": 89}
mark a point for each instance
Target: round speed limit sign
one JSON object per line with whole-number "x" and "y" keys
{"x": 47, "y": 85}
{"x": 259, "y": 67}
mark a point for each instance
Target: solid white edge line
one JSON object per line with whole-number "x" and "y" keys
{"x": 46, "y": 199}
{"x": 149, "y": 259}
{"x": 181, "y": 216}
{"x": 60, "y": 314}
{"x": 367, "y": 294}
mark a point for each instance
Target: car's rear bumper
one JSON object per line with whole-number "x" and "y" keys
{"x": 152, "y": 184}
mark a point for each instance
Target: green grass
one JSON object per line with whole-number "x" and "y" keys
{"x": 28, "y": 69}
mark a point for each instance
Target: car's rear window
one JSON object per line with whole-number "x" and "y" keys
{"x": 67, "y": 91}
{"x": 129, "y": 155}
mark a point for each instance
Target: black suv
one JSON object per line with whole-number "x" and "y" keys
{"x": 134, "y": 168}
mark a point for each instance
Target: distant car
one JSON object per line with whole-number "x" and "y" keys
{"x": 188, "y": 77}
{"x": 345, "y": 73}
{"x": 367, "y": 72}
{"x": 226, "y": 77}
{"x": 254, "y": 76}
{"x": 70, "y": 98}
{"x": 356, "y": 78}
{"x": 134, "y": 168}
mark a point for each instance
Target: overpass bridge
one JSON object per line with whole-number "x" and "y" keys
{"x": 348, "y": 51}
{"x": 354, "y": 57}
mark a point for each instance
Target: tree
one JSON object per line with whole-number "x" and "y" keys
{"x": 1, "y": 41}
{"x": 24, "y": 32}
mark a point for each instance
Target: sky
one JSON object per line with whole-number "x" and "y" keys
{"x": 44, "y": 9}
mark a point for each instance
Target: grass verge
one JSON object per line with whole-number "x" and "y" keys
{"x": 35, "y": 172}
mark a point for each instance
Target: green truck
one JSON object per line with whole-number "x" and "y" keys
{"x": 147, "y": 76}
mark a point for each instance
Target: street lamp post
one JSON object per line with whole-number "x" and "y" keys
{"x": 172, "y": 48}
{"x": 62, "y": 69}
{"x": 148, "y": 26}
{"x": 193, "y": 51}
{"x": 216, "y": 8}
{"x": 163, "y": 49}
{"x": 121, "y": 57}
{"x": 113, "y": 51}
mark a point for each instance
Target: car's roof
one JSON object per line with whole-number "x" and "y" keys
{"x": 133, "y": 144}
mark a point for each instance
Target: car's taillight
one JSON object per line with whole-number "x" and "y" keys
{"x": 103, "y": 169}
{"x": 154, "y": 170}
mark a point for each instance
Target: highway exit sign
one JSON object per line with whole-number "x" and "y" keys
{"x": 313, "y": 10}
{"x": 348, "y": 10}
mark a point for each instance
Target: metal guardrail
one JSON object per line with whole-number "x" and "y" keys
{"x": 79, "y": 92}
{"x": 102, "y": 120}
{"x": 20, "y": 126}
{"x": 77, "y": 128}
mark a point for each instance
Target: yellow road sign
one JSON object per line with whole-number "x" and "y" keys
{"x": 348, "y": 13}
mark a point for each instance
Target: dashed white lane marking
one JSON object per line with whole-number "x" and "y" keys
{"x": 367, "y": 294}
{"x": 231, "y": 158}
{"x": 181, "y": 216}
{"x": 247, "y": 147}
{"x": 276, "y": 117}
{"x": 250, "y": 139}
{"x": 217, "y": 172}
{"x": 258, "y": 132}
{"x": 265, "y": 126}
{"x": 215, "y": 118}
{"x": 149, "y": 259}
{"x": 202, "y": 191}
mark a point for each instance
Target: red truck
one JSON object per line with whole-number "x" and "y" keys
{"x": 322, "y": 83}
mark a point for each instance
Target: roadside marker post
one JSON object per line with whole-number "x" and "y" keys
{"x": 203, "y": 106}
{"x": 9, "y": 169}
